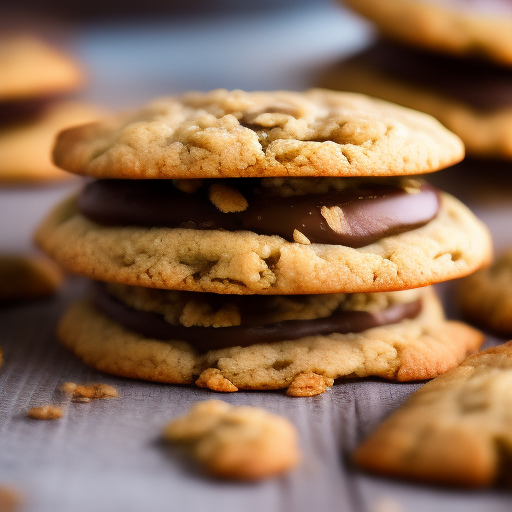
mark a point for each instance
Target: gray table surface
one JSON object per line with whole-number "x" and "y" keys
{"x": 108, "y": 456}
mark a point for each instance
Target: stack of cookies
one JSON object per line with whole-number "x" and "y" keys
{"x": 35, "y": 80}
{"x": 264, "y": 240}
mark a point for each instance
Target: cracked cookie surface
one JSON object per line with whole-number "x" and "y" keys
{"x": 224, "y": 134}
{"x": 456, "y": 430}
{"x": 452, "y": 245}
{"x": 415, "y": 349}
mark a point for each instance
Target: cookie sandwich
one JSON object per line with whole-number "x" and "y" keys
{"x": 264, "y": 240}
{"x": 34, "y": 105}
{"x": 451, "y": 60}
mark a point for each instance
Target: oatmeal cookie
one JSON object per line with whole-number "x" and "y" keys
{"x": 224, "y": 134}
{"x": 456, "y": 430}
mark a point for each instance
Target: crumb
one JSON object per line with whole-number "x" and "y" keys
{"x": 45, "y": 412}
{"x": 300, "y": 238}
{"x": 213, "y": 379}
{"x": 84, "y": 394}
{"x": 309, "y": 384}
{"x": 227, "y": 199}
{"x": 10, "y": 499}
{"x": 239, "y": 443}
{"x": 334, "y": 218}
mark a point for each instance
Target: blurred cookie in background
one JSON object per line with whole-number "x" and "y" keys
{"x": 36, "y": 80}
{"x": 32, "y": 69}
{"x": 458, "y": 27}
{"x": 472, "y": 97}
{"x": 26, "y": 277}
{"x": 486, "y": 296}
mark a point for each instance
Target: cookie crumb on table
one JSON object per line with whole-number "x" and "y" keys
{"x": 81, "y": 393}
{"x": 213, "y": 379}
{"x": 239, "y": 443}
{"x": 45, "y": 412}
{"x": 309, "y": 384}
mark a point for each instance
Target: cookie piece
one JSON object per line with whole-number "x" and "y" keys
{"x": 45, "y": 412}
{"x": 81, "y": 393}
{"x": 482, "y": 117}
{"x": 456, "y": 430}
{"x": 452, "y": 245}
{"x": 236, "y": 443}
{"x": 32, "y": 68}
{"x": 486, "y": 296}
{"x": 26, "y": 277}
{"x": 415, "y": 349}
{"x": 26, "y": 147}
{"x": 459, "y": 27}
{"x": 253, "y": 134}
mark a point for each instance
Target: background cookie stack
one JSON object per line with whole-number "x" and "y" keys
{"x": 36, "y": 78}
{"x": 452, "y": 61}
{"x": 213, "y": 211}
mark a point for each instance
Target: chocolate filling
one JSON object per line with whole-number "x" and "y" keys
{"x": 366, "y": 215}
{"x": 475, "y": 81}
{"x": 18, "y": 111}
{"x": 154, "y": 325}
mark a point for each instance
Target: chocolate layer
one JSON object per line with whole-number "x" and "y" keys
{"x": 472, "y": 80}
{"x": 367, "y": 215}
{"x": 18, "y": 111}
{"x": 154, "y": 325}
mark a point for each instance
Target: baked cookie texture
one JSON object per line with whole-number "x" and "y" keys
{"x": 26, "y": 277}
{"x": 456, "y": 430}
{"x": 26, "y": 147}
{"x": 452, "y": 245}
{"x": 460, "y": 28}
{"x": 223, "y": 134}
{"x": 485, "y": 132}
{"x": 486, "y": 296}
{"x": 415, "y": 349}
{"x": 237, "y": 443}
{"x": 31, "y": 68}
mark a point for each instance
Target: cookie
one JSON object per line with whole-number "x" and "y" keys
{"x": 223, "y": 134}
{"x": 459, "y": 27}
{"x": 26, "y": 147}
{"x": 31, "y": 68}
{"x": 28, "y": 277}
{"x": 456, "y": 430}
{"x": 486, "y": 296}
{"x": 470, "y": 97}
{"x": 452, "y": 245}
{"x": 236, "y": 443}
{"x": 412, "y": 349}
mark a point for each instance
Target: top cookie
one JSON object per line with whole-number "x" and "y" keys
{"x": 30, "y": 69}
{"x": 223, "y": 134}
{"x": 461, "y": 27}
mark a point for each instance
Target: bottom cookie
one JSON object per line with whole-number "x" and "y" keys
{"x": 412, "y": 349}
